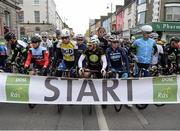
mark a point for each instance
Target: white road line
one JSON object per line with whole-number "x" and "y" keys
{"x": 141, "y": 118}
{"x": 101, "y": 118}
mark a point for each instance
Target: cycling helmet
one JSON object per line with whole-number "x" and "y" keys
{"x": 35, "y": 39}
{"x": 65, "y": 33}
{"x": 177, "y": 39}
{"x": 8, "y": 36}
{"x": 154, "y": 35}
{"x": 94, "y": 40}
{"x": 146, "y": 28}
{"x": 44, "y": 34}
{"x": 79, "y": 36}
{"x": 113, "y": 38}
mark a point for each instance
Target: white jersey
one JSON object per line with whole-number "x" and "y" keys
{"x": 46, "y": 44}
{"x": 156, "y": 56}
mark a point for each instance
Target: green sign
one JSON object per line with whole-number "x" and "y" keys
{"x": 166, "y": 26}
{"x": 17, "y": 88}
{"x": 165, "y": 89}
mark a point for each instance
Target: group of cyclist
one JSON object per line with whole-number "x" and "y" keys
{"x": 103, "y": 52}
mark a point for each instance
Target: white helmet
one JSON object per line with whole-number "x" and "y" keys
{"x": 154, "y": 35}
{"x": 79, "y": 36}
{"x": 65, "y": 33}
{"x": 146, "y": 28}
{"x": 44, "y": 34}
{"x": 94, "y": 40}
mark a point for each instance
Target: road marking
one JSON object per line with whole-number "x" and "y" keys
{"x": 139, "y": 115}
{"x": 101, "y": 118}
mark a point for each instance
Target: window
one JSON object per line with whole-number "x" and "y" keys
{"x": 129, "y": 10}
{"x": 37, "y": 16}
{"x": 7, "y": 18}
{"x": 37, "y": 29}
{"x": 21, "y": 16}
{"x": 141, "y": 2}
{"x": 141, "y": 18}
{"x": 129, "y": 23}
{"x": 22, "y": 31}
{"x": 172, "y": 14}
{"x": 20, "y": 1}
{"x": 36, "y": 2}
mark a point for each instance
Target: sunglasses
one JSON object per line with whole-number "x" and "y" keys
{"x": 79, "y": 39}
{"x": 64, "y": 37}
{"x": 44, "y": 37}
{"x": 147, "y": 32}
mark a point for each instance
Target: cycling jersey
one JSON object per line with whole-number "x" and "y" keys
{"x": 144, "y": 50}
{"x": 81, "y": 49}
{"x": 168, "y": 51}
{"x": 19, "y": 47}
{"x": 3, "y": 55}
{"x": 67, "y": 50}
{"x": 93, "y": 58}
{"x": 39, "y": 57}
{"x": 117, "y": 58}
{"x": 47, "y": 44}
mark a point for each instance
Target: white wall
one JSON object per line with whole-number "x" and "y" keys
{"x": 131, "y": 16}
{"x": 29, "y": 7}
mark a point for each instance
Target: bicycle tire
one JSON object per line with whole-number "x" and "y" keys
{"x": 31, "y": 106}
{"x": 141, "y": 106}
{"x": 117, "y": 108}
{"x": 159, "y": 105}
{"x": 60, "y": 108}
{"x": 90, "y": 109}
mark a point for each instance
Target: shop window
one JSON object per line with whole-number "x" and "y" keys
{"x": 172, "y": 14}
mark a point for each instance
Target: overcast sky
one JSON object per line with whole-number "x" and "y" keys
{"x": 77, "y": 13}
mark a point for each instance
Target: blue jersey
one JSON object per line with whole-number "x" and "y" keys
{"x": 3, "y": 50}
{"x": 144, "y": 50}
{"x": 81, "y": 49}
{"x": 116, "y": 58}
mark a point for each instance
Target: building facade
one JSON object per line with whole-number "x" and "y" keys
{"x": 129, "y": 18}
{"x": 8, "y": 16}
{"x": 37, "y": 16}
{"x": 163, "y": 15}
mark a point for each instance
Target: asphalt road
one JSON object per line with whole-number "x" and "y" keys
{"x": 20, "y": 117}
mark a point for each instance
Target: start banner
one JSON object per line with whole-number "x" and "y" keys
{"x": 16, "y": 88}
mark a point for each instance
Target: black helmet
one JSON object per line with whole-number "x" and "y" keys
{"x": 8, "y": 36}
{"x": 35, "y": 39}
{"x": 177, "y": 39}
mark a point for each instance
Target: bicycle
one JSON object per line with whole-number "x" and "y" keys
{"x": 39, "y": 73}
{"x": 65, "y": 74}
{"x": 93, "y": 75}
{"x": 116, "y": 74}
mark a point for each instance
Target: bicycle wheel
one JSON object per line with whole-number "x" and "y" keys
{"x": 90, "y": 109}
{"x": 141, "y": 106}
{"x": 117, "y": 108}
{"x": 60, "y": 108}
{"x": 31, "y": 106}
{"x": 159, "y": 105}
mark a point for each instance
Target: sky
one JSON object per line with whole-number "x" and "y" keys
{"x": 76, "y": 13}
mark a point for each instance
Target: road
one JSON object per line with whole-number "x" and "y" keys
{"x": 20, "y": 117}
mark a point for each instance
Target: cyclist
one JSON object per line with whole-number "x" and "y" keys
{"x": 159, "y": 55}
{"x": 3, "y": 53}
{"x": 117, "y": 58}
{"x": 101, "y": 32}
{"x": 173, "y": 47}
{"x": 66, "y": 51}
{"x": 46, "y": 43}
{"x": 81, "y": 45}
{"x": 18, "y": 47}
{"x": 95, "y": 58}
{"x": 144, "y": 48}
{"x": 37, "y": 55}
